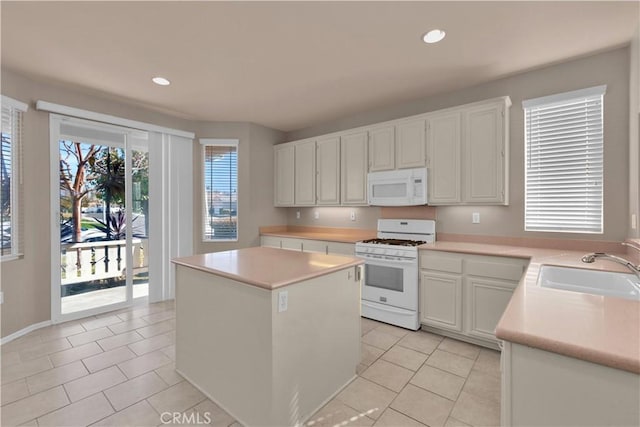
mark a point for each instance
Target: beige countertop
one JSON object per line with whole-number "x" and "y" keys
{"x": 267, "y": 268}
{"x": 341, "y": 235}
{"x": 599, "y": 329}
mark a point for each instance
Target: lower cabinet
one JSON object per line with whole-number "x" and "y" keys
{"x": 464, "y": 295}
{"x": 308, "y": 245}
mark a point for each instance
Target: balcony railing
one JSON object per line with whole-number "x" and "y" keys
{"x": 84, "y": 262}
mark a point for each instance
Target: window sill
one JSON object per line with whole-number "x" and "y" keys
{"x": 221, "y": 241}
{"x": 11, "y": 257}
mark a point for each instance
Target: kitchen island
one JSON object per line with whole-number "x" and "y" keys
{"x": 268, "y": 334}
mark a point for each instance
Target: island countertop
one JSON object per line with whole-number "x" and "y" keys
{"x": 268, "y": 268}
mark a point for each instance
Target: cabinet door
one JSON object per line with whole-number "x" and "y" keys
{"x": 486, "y": 300}
{"x": 328, "y": 171}
{"x": 410, "y": 145}
{"x": 382, "y": 149}
{"x": 441, "y": 300}
{"x": 305, "y": 173}
{"x": 284, "y": 165}
{"x": 443, "y": 159}
{"x": 354, "y": 169}
{"x": 484, "y": 160}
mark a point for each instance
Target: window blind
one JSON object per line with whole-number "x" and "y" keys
{"x": 564, "y": 162}
{"x": 11, "y": 177}
{"x": 220, "y": 190}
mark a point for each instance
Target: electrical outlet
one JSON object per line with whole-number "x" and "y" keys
{"x": 297, "y": 214}
{"x": 634, "y": 221}
{"x": 283, "y": 301}
{"x": 316, "y": 215}
{"x": 1, "y": 297}
{"x": 353, "y": 216}
{"x": 475, "y": 218}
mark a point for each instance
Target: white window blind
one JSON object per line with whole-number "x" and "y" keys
{"x": 11, "y": 177}
{"x": 220, "y": 185}
{"x": 564, "y": 162}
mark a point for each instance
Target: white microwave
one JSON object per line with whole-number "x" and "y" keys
{"x": 402, "y": 187}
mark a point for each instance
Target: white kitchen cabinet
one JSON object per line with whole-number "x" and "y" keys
{"x": 305, "y": 173}
{"x": 308, "y": 245}
{"x": 410, "y": 144}
{"x": 353, "y": 159}
{"x": 467, "y": 154}
{"x": 284, "y": 174}
{"x": 328, "y": 171}
{"x": 382, "y": 148}
{"x": 485, "y": 154}
{"x": 464, "y": 295}
{"x": 465, "y": 148}
{"x": 441, "y": 300}
{"x": 443, "y": 158}
{"x": 541, "y": 388}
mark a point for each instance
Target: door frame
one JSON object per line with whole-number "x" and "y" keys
{"x": 54, "y": 194}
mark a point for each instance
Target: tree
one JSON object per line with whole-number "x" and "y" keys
{"x": 79, "y": 156}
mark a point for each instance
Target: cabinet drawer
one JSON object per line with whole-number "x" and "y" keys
{"x": 431, "y": 261}
{"x": 293, "y": 244}
{"x": 497, "y": 270}
{"x": 337, "y": 248}
{"x": 314, "y": 246}
{"x": 270, "y": 241}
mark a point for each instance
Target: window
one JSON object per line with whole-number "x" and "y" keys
{"x": 564, "y": 162}
{"x": 220, "y": 185}
{"x": 11, "y": 176}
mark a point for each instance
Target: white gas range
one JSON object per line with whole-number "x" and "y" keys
{"x": 390, "y": 285}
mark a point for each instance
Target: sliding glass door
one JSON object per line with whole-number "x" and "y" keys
{"x": 100, "y": 200}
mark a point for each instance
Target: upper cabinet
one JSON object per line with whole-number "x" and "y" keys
{"x": 382, "y": 151}
{"x": 467, "y": 154}
{"x": 284, "y": 174}
{"x": 410, "y": 146}
{"x": 485, "y": 154}
{"x": 328, "y": 171}
{"x": 443, "y": 158}
{"x": 465, "y": 149}
{"x": 305, "y": 173}
{"x": 353, "y": 161}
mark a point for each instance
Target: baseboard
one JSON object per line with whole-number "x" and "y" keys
{"x": 25, "y": 331}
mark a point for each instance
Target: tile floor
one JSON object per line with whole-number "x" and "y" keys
{"x": 117, "y": 369}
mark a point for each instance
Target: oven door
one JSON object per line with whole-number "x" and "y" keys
{"x": 391, "y": 282}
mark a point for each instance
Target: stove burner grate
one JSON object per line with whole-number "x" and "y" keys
{"x": 395, "y": 242}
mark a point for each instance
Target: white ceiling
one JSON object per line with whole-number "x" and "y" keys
{"x": 289, "y": 65}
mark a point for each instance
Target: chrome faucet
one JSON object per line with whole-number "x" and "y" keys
{"x": 589, "y": 258}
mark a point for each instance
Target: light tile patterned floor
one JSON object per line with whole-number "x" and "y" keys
{"x": 117, "y": 369}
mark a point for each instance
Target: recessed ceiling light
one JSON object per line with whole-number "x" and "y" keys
{"x": 161, "y": 81}
{"x": 433, "y": 36}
